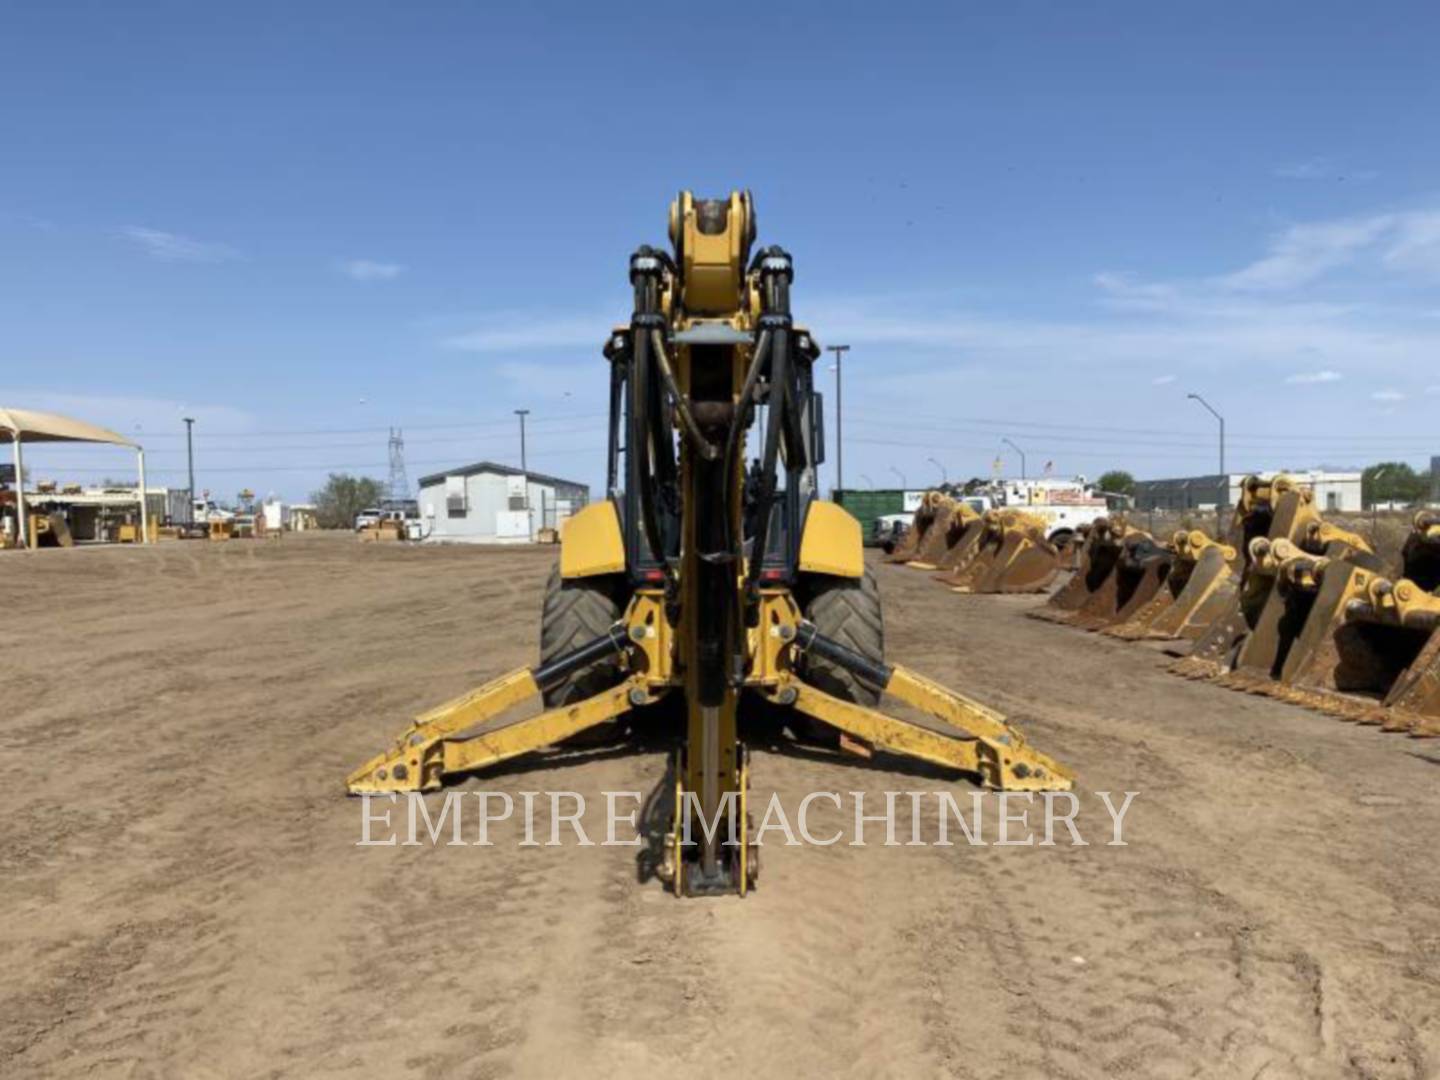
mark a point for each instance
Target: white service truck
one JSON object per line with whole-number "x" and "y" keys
{"x": 1065, "y": 505}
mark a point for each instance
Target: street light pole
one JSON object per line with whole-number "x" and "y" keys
{"x": 1224, "y": 500}
{"x": 944, "y": 476}
{"x": 839, "y": 351}
{"x": 1374, "y": 493}
{"x": 525, "y": 475}
{"x": 1017, "y": 449}
{"x": 190, "y": 461}
{"x": 901, "y": 475}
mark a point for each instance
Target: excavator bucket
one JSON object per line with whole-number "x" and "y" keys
{"x": 1141, "y": 570}
{"x": 1182, "y": 569}
{"x": 950, "y": 520}
{"x": 1014, "y": 557}
{"x": 1279, "y": 587}
{"x": 1421, "y": 554}
{"x": 1027, "y": 563}
{"x": 1099, "y": 553}
{"x": 926, "y": 516}
{"x": 963, "y": 539}
{"x": 1204, "y": 581}
{"x": 1289, "y": 603}
{"x": 1268, "y": 510}
{"x": 1370, "y": 643}
{"x": 1067, "y": 548}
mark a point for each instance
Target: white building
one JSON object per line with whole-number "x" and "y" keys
{"x": 486, "y": 503}
{"x": 1334, "y": 491}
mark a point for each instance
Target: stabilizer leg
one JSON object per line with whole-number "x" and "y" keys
{"x": 1003, "y": 762}
{"x": 986, "y": 744}
{"x": 427, "y": 752}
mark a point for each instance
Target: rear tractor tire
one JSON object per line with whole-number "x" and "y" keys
{"x": 846, "y": 610}
{"x": 575, "y": 613}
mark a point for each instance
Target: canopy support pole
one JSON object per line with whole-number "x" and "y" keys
{"x": 20, "y": 494}
{"x": 144, "y": 502}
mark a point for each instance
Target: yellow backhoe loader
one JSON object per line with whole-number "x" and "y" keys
{"x": 702, "y": 578}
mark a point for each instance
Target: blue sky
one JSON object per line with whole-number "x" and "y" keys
{"x": 305, "y": 223}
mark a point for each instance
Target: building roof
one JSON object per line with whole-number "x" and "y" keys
{"x": 1324, "y": 476}
{"x": 500, "y": 470}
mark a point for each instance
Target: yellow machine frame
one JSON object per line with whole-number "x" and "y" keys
{"x": 712, "y": 624}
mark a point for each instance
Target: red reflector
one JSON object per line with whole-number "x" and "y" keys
{"x": 654, "y": 575}
{"x": 771, "y": 575}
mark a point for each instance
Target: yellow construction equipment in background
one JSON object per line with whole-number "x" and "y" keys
{"x": 1008, "y": 553}
{"x": 1293, "y": 607}
{"x": 932, "y": 518}
{"x": 706, "y": 580}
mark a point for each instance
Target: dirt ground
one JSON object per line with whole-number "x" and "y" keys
{"x": 184, "y": 897}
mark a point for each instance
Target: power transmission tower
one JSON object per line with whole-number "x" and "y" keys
{"x": 399, "y": 488}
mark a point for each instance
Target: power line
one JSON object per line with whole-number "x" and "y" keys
{"x": 881, "y": 415}
{"x": 1418, "y": 445}
{"x": 146, "y": 436}
{"x": 378, "y": 466}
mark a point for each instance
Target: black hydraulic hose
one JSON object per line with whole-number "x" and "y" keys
{"x": 707, "y": 450}
{"x": 614, "y": 641}
{"x": 765, "y": 501}
{"x": 641, "y": 444}
{"x": 738, "y": 424}
{"x": 809, "y": 639}
{"x": 612, "y": 449}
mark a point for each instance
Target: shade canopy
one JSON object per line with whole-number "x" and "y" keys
{"x": 32, "y": 427}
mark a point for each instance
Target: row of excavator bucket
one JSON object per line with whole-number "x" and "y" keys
{"x": 1291, "y": 606}
{"x": 998, "y": 551}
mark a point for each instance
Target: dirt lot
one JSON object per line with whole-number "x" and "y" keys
{"x": 183, "y": 893}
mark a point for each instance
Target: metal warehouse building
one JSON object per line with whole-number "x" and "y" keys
{"x": 486, "y": 503}
{"x": 1336, "y": 491}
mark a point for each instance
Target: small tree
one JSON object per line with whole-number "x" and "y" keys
{"x": 1117, "y": 482}
{"x": 344, "y": 496}
{"x": 1392, "y": 481}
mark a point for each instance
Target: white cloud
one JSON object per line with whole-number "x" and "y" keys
{"x": 1387, "y": 395}
{"x": 1432, "y": 389}
{"x": 1322, "y": 168}
{"x": 1310, "y": 169}
{"x": 172, "y": 247}
{"x": 370, "y": 270}
{"x": 1416, "y": 243}
{"x": 128, "y": 414}
{"x": 521, "y": 331}
{"x": 1163, "y": 380}
{"x": 1302, "y": 253}
{"x": 1302, "y": 378}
